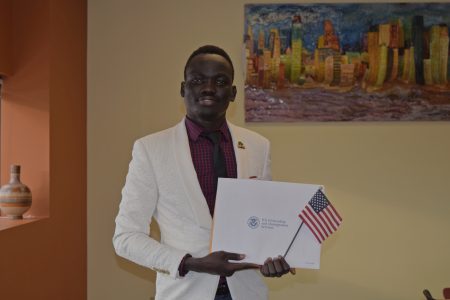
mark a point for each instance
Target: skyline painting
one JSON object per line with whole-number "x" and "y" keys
{"x": 347, "y": 62}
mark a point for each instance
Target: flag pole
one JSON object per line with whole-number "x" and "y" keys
{"x": 290, "y": 245}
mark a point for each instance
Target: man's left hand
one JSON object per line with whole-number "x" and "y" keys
{"x": 276, "y": 267}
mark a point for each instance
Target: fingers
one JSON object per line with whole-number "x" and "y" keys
{"x": 264, "y": 269}
{"x": 237, "y": 257}
{"x": 284, "y": 265}
{"x": 218, "y": 263}
{"x": 276, "y": 267}
{"x": 272, "y": 268}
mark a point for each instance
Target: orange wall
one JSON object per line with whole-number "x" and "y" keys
{"x": 5, "y": 37}
{"x": 25, "y": 105}
{"x": 44, "y": 129}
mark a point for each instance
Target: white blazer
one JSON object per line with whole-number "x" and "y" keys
{"x": 162, "y": 183}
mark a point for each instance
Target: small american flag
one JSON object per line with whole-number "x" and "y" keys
{"x": 320, "y": 216}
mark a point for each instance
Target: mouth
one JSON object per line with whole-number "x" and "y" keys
{"x": 207, "y": 101}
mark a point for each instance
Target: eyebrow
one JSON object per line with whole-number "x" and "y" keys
{"x": 196, "y": 73}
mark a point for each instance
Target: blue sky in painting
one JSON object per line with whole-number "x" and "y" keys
{"x": 350, "y": 20}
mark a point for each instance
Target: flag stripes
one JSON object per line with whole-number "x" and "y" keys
{"x": 320, "y": 216}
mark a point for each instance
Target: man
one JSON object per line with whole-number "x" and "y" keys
{"x": 173, "y": 178}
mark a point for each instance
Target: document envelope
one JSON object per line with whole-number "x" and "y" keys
{"x": 260, "y": 218}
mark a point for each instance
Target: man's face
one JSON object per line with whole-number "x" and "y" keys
{"x": 208, "y": 88}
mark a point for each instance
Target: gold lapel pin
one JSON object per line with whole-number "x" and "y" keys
{"x": 241, "y": 145}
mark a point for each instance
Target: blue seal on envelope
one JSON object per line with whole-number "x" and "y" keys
{"x": 253, "y": 222}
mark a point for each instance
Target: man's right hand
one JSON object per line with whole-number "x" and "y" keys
{"x": 217, "y": 263}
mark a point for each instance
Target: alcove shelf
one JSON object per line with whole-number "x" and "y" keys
{"x": 25, "y": 101}
{"x": 6, "y": 223}
{"x": 43, "y": 129}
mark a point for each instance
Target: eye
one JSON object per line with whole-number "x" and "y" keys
{"x": 197, "y": 81}
{"x": 221, "y": 81}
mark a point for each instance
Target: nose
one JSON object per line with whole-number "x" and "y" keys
{"x": 209, "y": 87}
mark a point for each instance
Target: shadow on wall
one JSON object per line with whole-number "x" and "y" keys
{"x": 137, "y": 270}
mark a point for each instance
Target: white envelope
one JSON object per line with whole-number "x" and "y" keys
{"x": 260, "y": 218}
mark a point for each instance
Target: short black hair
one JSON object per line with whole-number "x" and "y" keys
{"x": 210, "y": 49}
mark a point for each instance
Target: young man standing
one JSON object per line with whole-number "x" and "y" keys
{"x": 173, "y": 178}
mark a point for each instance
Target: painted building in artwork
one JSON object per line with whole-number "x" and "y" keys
{"x": 275, "y": 50}
{"x": 417, "y": 41}
{"x": 261, "y": 41}
{"x": 327, "y": 56}
{"x": 382, "y": 65}
{"x": 443, "y": 58}
{"x": 296, "y": 49}
{"x": 439, "y": 43}
{"x": 373, "y": 50}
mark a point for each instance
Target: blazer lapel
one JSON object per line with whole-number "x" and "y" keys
{"x": 239, "y": 151}
{"x": 189, "y": 177}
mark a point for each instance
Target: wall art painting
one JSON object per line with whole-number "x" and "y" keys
{"x": 347, "y": 62}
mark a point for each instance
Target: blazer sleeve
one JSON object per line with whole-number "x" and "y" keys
{"x": 139, "y": 198}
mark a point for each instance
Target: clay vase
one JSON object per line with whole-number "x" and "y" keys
{"x": 15, "y": 197}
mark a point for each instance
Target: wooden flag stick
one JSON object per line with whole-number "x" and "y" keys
{"x": 290, "y": 245}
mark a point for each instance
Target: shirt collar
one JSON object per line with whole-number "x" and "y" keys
{"x": 194, "y": 130}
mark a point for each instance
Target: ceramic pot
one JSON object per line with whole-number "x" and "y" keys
{"x": 15, "y": 197}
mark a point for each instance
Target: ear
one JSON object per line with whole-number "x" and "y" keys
{"x": 182, "y": 89}
{"x": 233, "y": 93}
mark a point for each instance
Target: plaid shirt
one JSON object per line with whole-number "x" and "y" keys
{"x": 202, "y": 157}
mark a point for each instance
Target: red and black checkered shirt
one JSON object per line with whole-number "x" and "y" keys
{"x": 202, "y": 157}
